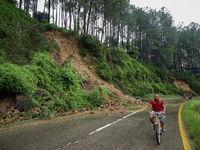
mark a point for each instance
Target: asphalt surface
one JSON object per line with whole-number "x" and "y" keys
{"x": 134, "y": 132}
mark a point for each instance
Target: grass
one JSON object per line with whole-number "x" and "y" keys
{"x": 125, "y": 104}
{"x": 191, "y": 117}
{"x": 133, "y": 108}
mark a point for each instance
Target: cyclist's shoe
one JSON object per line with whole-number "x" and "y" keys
{"x": 163, "y": 130}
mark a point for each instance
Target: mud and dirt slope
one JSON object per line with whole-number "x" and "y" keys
{"x": 183, "y": 85}
{"x": 69, "y": 48}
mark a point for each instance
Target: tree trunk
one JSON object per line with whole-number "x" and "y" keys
{"x": 88, "y": 21}
{"x": 85, "y": 13}
{"x": 103, "y": 29}
{"x": 118, "y": 32}
{"x": 44, "y": 6}
{"x": 20, "y": 4}
{"x": 122, "y": 35}
{"x": 49, "y": 4}
{"x": 74, "y": 18}
{"x": 62, "y": 15}
{"x": 111, "y": 41}
{"x": 59, "y": 16}
{"x": 78, "y": 27}
{"x": 24, "y": 5}
{"x": 56, "y": 14}
{"x": 96, "y": 29}
{"x": 27, "y": 6}
{"x": 105, "y": 32}
{"x": 53, "y": 12}
{"x": 104, "y": 20}
{"x": 66, "y": 20}
{"x": 70, "y": 19}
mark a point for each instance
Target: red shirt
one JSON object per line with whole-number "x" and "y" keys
{"x": 157, "y": 106}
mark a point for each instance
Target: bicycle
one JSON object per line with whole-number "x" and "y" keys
{"x": 158, "y": 127}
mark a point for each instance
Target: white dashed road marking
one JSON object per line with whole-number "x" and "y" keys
{"x": 99, "y": 129}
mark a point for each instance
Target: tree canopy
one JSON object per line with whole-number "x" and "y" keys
{"x": 146, "y": 34}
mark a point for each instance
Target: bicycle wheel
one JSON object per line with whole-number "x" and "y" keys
{"x": 158, "y": 134}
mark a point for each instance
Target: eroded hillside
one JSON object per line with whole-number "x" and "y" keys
{"x": 69, "y": 49}
{"x": 182, "y": 85}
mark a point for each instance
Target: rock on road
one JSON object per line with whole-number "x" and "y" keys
{"x": 134, "y": 132}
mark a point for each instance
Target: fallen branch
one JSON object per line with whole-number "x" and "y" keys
{"x": 67, "y": 59}
{"x": 32, "y": 27}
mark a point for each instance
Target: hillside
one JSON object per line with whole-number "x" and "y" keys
{"x": 68, "y": 49}
{"x": 182, "y": 85}
{"x": 50, "y": 71}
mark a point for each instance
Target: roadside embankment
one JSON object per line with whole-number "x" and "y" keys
{"x": 191, "y": 117}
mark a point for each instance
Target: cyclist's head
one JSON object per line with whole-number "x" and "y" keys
{"x": 156, "y": 96}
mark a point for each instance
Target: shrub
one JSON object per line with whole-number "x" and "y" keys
{"x": 194, "y": 94}
{"x": 104, "y": 71}
{"x": 82, "y": 52}
{"x": 17, "y": 79}
{"x": 195, "y": 85}
{"x": 125, "y": 104}
{"x": 158, "y": 80}
{"x": 173, "y": 88}
{"x": 104, "y": 91}
{"x": 95, "y": 99}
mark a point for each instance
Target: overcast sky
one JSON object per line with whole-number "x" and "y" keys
{"x": 186, "y": 11}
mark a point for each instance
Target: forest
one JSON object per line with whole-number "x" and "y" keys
{"x": 146, "y": 34}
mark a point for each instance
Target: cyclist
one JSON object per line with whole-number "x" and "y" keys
{"x": 184, "y": 97}
{"x": 190, "y": 96}
{"x": 158, "y": 106}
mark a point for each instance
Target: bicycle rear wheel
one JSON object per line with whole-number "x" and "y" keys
{"x": 158, "y": 134}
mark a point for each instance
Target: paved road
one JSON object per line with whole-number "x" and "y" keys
{"x": 80, "y": 133}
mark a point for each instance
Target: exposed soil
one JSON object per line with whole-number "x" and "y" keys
{"x": 69, "y": 48}
{"x": 183, "y": 85}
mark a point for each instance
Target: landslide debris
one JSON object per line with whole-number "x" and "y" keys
{"x": 182, "y": 85}
{"x": 69, "y": 49}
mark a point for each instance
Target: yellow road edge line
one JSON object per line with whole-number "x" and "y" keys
{"x": 140, "y": 109}
{"x": 183, "y": 135}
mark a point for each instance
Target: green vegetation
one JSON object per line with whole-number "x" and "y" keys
{"x": 133, "y": 108}
{"x": 115, "y": 66}
{"x": 20, "y": 35}
{"x": 194, "y": 82}
{"x": 104, "y": 91}
{"x": 26, "y": 66}
{"x": 191, "y": 117}
{"x": 125, "y": 104}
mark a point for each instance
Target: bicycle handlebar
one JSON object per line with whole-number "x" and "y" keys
{"x": 159, "y": 113}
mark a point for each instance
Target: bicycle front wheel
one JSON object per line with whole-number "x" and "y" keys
{"x": 158, "y": 134}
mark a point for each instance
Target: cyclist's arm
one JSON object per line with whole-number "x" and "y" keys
{"x": 148, "y": 108}
{"x": 164, "y": 109}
